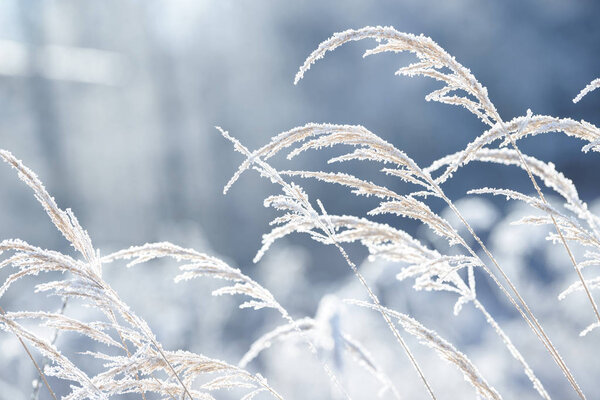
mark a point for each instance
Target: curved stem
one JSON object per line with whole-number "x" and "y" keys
{"x": 37, "y": 367}
{"x": 560, "y": 234}
{"x": 137, "y": 375}
{"x": 313, "y": 350}
{"x": 38, "y": 383}
{"x": 145, "y": 330}
{"x": 512, "y": 349}
{"x": 375, "y": 300}
{"x": 530, "y": 317}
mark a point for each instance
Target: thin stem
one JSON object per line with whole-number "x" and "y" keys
{"x": 171, "y": 367}
{"x": 285, "y": 315}
{"x": 38, "y": 383}
{"x": 37, "y": 367}
{"x": 137, "y": 375}
{"x": 313, "y": 350}
{"x": 267, "y": 387}
{"x": 331, "y": 235}
{"x": 512, "y": 349}
{"x": 560, "y": 234}
{"x": 375, "y": 300}
{"x": 146, "y": 331}
{"x": 530, "y": 318}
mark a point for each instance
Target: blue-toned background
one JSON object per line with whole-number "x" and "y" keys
{"x": 114, "y": 105}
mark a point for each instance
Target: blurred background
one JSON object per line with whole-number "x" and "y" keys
{"x": 114, "y": 104}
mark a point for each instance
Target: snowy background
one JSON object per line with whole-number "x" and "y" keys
{"x": 114, "y": 105}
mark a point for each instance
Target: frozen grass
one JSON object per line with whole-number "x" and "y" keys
{"x": 135, "y": 362}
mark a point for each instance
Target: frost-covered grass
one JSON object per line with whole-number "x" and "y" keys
{"x": 131, "y": 360}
